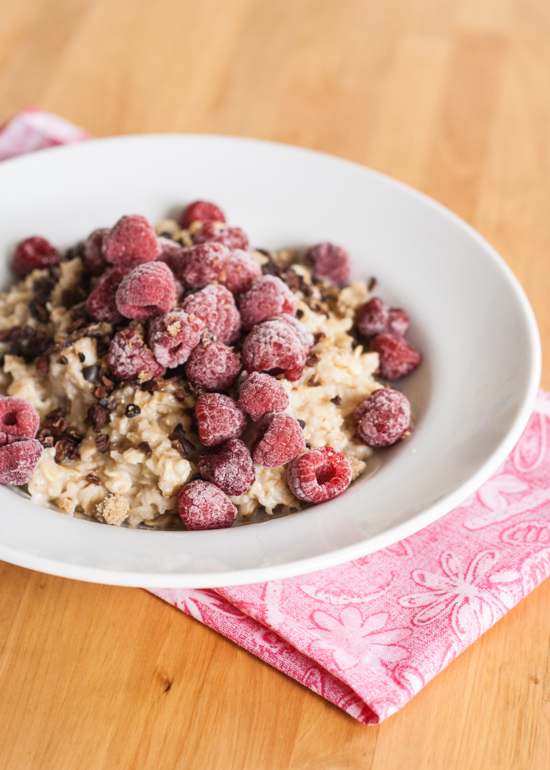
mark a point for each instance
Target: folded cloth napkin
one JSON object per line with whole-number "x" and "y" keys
{"x": 369, "y": 634}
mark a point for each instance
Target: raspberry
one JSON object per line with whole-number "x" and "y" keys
{"x": 33, "y": 254}
{"x": 268, "y": 296}
{"x": 382, "y": 418}
{"x": 204, "y": 263}
{"x": 241, "y": 271}
{"x": 130, "y": 359}
{"x": 131, "y": 242}
{"x": 212, "y": 232}
{"x": 147, "y": 291}
{"x": 201, "y": 211}
{"x": 300, "y": 330}
{"x": 173, "y": 336}
{"x": 101, "y": 303}
{"x": 398, "y": 321}
{"x": 230, "y": 467}
{"x": 173, "y": 255}
{"x": 94, "y": 258}
{"x": 319, "y": 475}
{"x": 280, "y": 440}
{"x": 18, "y": 461}
{"x": 273, "y": 347}
{"x": 218, "y": 418}
{"x": 213, "y": 366}
{"x": 329, "y": 262}
{"x": 372, "y": 317}
{"x": 216, "y": 307}
{"x": 397, "y": 357}
{"x": 260, "y": 394}
{"x": 203, "y": 506}
{"x": 18, "y": 419}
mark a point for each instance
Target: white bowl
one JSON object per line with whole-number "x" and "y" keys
{"x": 471, "y": 397}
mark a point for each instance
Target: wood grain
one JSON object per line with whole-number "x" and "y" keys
{"x": 451, "y": 96}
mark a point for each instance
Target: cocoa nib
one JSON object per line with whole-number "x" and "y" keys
{"x": 313, "y": 360}
{"x": 336, "y": 400}
{"x": 91, "y": 479}
{"x": 91, "y": 373}
{"x": 102, "y": 443}
{"x": 110, "y": 404}
{"x": 97, "y": 415}
{"x": 145, "y": 447}
{"x": 65, "y": 449}
{"x": 185, "y": 447}
{"x": 55, "y": 422}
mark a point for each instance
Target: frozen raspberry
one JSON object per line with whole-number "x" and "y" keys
{"x": 147, "y": 291}
{"x": 18, "y": 418}
{"x": 319, "y": 475}
{"x": 173, "y": 336}
{"x": 268, "y": 296}
{"x": 212, "y": 232}
{"x": 230, "y": 467}
{"x": 204, "y": 263}
{"x": 33, "y": 254}
{"x": 213, "y": 366}
{"x": 397, "y": 357}
{"x": 398, "y": 321}
{"x": 280, "y": 440}
{"x": 241, "y": 271}
{"x": 201, "y": 211}
{"x": 172, "y": 254}
{"x": 129, "y": 357}
{"x": 218, "y": 418}
{"x": 203, "y": 506}
{"x": 131, "y": 242}
{"x": 94, "y": 258}
{"x": 273, "y": 347}
{"x": 300, "y": 330}
{"x": 260, "y": 394}
{"x": 101, "y": 303}
{"x": 216, "y": 306}
{"x": 18, "y": 461}
{"x": 329, "y": 263}
{"x": 382, "y": 418}
{"x": 372, "y": 317}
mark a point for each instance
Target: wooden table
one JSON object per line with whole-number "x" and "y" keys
{"x": 451, "y": 96}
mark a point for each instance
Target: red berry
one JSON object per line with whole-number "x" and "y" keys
{"x": 131, "y": 242}
{"x": 398, "y": 321}
{"x": 94, "y": 258}
{"x": 130, "y": 358}
{"x": 268, "y": 296}
{"x": 203, "y": 506}
{"x": 260, "y": 394}
{"x": 213, "y": 366}
{"x": 372, "y": 317}
{"x": 218, "y": 418}
{"x": 241, "y": 271}
{"x": 201, "y": 211}
{"x": 329, "y": 263}
{"x": 230, "y": 467}
{"x": 173, "y": 336}
{"x": 18, "y": 461}
{"x": 397, "y": 357}
{"x": 212, "y": 232}
{"x": 18, "y": 418}
{"x": 173, "y": 255}
{"x": 33, "y": 254}
{"x": 382, "y": 418}
{"x": 319, "y": 475}
{"x": 300, "y": 330}
{"x": 273, "y": 347}
{"x": 203, "y": 264}
{"x": 216, "y": 306}
{"x": 147, "y": 291}
{"x": 101, "y": 303}
{"x": 280, "y": 440}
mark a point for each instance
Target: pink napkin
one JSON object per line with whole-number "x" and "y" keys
{"x": 369, "y": 634}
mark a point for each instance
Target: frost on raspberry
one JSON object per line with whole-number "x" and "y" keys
{"x": 129, "y": 357}
{"x": 398, "y": 321}
{"x": 101, "y": 303}
{"x": 215, "y": 232}
{"x": 201, "y": 211}
{"x": 173, "y": 336}
{"x": 131, "y": 242}
{"x": 218, "y": 418}
{"x": 372, "y": 317}
{"x": 204, "y": 263}
{"x": 260, "y": 394}
{"x": 230, "y": 467}
{"x": 94, "y": 258}
{"x": 319, "y": 475}
{"x": 241, "y": 271}
{"x": 382, "y": 418}
{"x": 33, "y": 254}
{"x": 216, "y": 306}
{"x": 280, "y": 440}
{"x": 272, "y": 347}
{"x": 203, "y": 506}
{"x": 268, "y": 296}
{"x": 18, "y": 419}
{"x": 397, "y": 357}
{"x": 300, "y": 330}
{"x": 146, "y": 291}
{"x": 18, "y": 461}
{"x": 213, "y": 366}
{"x": 329, "y": 263}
